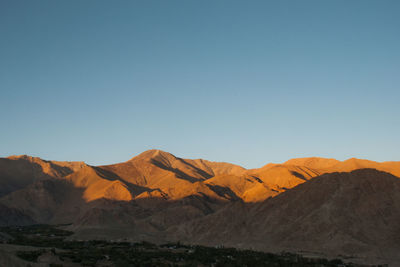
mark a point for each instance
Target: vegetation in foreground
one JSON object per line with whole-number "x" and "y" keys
{"x": 52, "y": 245}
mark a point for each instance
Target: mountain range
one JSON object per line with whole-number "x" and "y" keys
{"x": 312, "y": 205}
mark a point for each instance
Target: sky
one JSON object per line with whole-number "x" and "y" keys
{"x": 247, "y": 82}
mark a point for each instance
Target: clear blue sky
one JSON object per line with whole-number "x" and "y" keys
{"x": 248, "y": 82}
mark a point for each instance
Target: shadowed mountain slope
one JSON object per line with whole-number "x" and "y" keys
{"x": 281, "y": 177}
{"x": 314, "y": 204}
{"x": 353, "y": 213}
{"x": 155, "y": 173}
{"x": 323, "y": 165}
{"x": 96, "y": 186}
{"x": 16, "y": 172}
{"x": 172, "y": 176}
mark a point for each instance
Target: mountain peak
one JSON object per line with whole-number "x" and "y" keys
{"x": 153, "y": 154}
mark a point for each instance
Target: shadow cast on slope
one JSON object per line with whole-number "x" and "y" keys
{"x": 134, "y": 189}
{"x": 179, "y": 174}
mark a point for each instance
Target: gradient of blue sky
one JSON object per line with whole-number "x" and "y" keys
{"x": 248, "y": 82}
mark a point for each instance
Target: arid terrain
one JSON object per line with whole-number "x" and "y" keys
{"x": 312, "y": 206}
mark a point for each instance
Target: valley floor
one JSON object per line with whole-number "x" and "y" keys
{"x": 45, "y": 245}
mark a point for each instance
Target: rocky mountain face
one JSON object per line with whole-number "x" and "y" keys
{"x": 310, "y": 204}
{"x": 17, "y": 172}
{"x": 349, "y": 213}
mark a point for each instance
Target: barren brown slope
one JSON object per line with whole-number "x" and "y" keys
{"x": 42, "y": 199}
{"x": 11, "y": 216}
{"x": 159, "y": 197}
{"x": 245, "y": 187}
{"x": 97, "y": 196}
{"x": 16, "y": 172}
{"x": 172, "y": 176}
{"x": 158, "y": 174}
{"x": 324, "y": 165}
{"x": 96, "y": 186}
{"x": 353, "y": 213}
{"x": 61, "y": 200}
{"x": 313, "y": 162}
{"x": 281, "y": 177}
{"x": 354, "y": 164}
